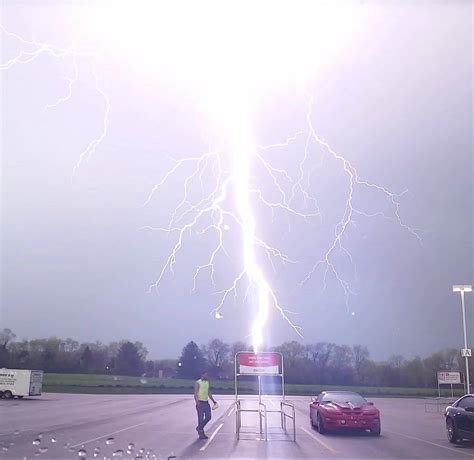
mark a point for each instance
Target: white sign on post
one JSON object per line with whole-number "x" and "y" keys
{"x": 447, "y": 378}
{"x": 466, "y": 352}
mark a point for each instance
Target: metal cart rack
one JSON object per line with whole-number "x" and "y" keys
{"x": 262, "y": 365}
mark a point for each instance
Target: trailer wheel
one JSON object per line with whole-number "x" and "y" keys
{"x": 8, "y": 395}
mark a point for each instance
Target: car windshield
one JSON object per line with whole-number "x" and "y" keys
{"x": 342, "y": 398}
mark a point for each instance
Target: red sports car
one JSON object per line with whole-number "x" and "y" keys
{"x": 333, "y": 410}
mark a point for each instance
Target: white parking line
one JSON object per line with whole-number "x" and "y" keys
{"x": 204, "y": 447}
{"x": 458, "y": 451}
{"x": 316, "y": 438}
{"x": 231, "y": 411}
{"x": 108, "y": 434}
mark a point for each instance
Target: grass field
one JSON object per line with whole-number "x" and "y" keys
{"x": 109, "y": 384}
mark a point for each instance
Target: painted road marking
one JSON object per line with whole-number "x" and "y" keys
{"x": 204, "y": 447}
{"x": 231, "y": 410}
{"x": 430, "y": 443}
{"x": 316, "y": 438}
{"x": 108, "y": 434}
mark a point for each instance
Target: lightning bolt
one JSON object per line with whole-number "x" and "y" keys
{"x": 235, "y": 176}
{"x": 231, "y": 195}
{"x": 33, "y": 50}
{"x": 353, "y": 180}
{"x": 231, "y": 166}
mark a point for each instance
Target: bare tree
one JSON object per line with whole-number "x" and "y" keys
{"x": 319, "y": 355}
{"x": 341, "y": 365}
{"x": 360, "y": 358}
{"x": 236, "y": 347}
{"x": 6, "y": 336}
{"x": 216, "y": 352}
{"x": 396, "y": 361}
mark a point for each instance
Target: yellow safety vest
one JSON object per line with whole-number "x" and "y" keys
{"x": 203, "y": 391}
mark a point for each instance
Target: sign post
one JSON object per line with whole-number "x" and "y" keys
{"x": 448, "y": 378}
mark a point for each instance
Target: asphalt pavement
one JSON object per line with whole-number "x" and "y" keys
{"x": 163, "y": 426}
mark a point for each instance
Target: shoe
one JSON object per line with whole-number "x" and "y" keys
{"x": 202, "y": 435}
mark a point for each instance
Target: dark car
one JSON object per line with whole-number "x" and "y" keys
{"x": 460, "y": 419}
{"x": 333, "y": 410}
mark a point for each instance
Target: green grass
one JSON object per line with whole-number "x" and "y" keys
{"x": 108, "y": 384}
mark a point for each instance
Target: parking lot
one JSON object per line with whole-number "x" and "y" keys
{"x": 163, "y": 426}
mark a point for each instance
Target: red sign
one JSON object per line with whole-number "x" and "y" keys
{"x": 258, "y": 363}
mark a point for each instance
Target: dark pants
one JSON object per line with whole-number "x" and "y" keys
{"x": 204, "y": 414}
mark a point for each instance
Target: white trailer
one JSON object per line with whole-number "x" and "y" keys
{"x": 20, "y": 382}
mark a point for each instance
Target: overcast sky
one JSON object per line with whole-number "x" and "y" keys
{"x": 392, "y": 93}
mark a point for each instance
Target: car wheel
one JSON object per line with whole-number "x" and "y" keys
{"x": 321, "y": 428}
{"x": 377, "y": 428}
{"x": 8, "y": 394}
{"x": 451, "y": 431}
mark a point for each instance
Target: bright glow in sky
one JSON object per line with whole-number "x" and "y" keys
{"x": 214, "y": 47}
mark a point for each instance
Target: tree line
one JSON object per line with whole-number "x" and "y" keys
{"x": 70, "y": 356}
{"x": 319, "y": 363}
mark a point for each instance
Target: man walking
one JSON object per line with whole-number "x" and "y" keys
{"x": 201, "y": 396}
